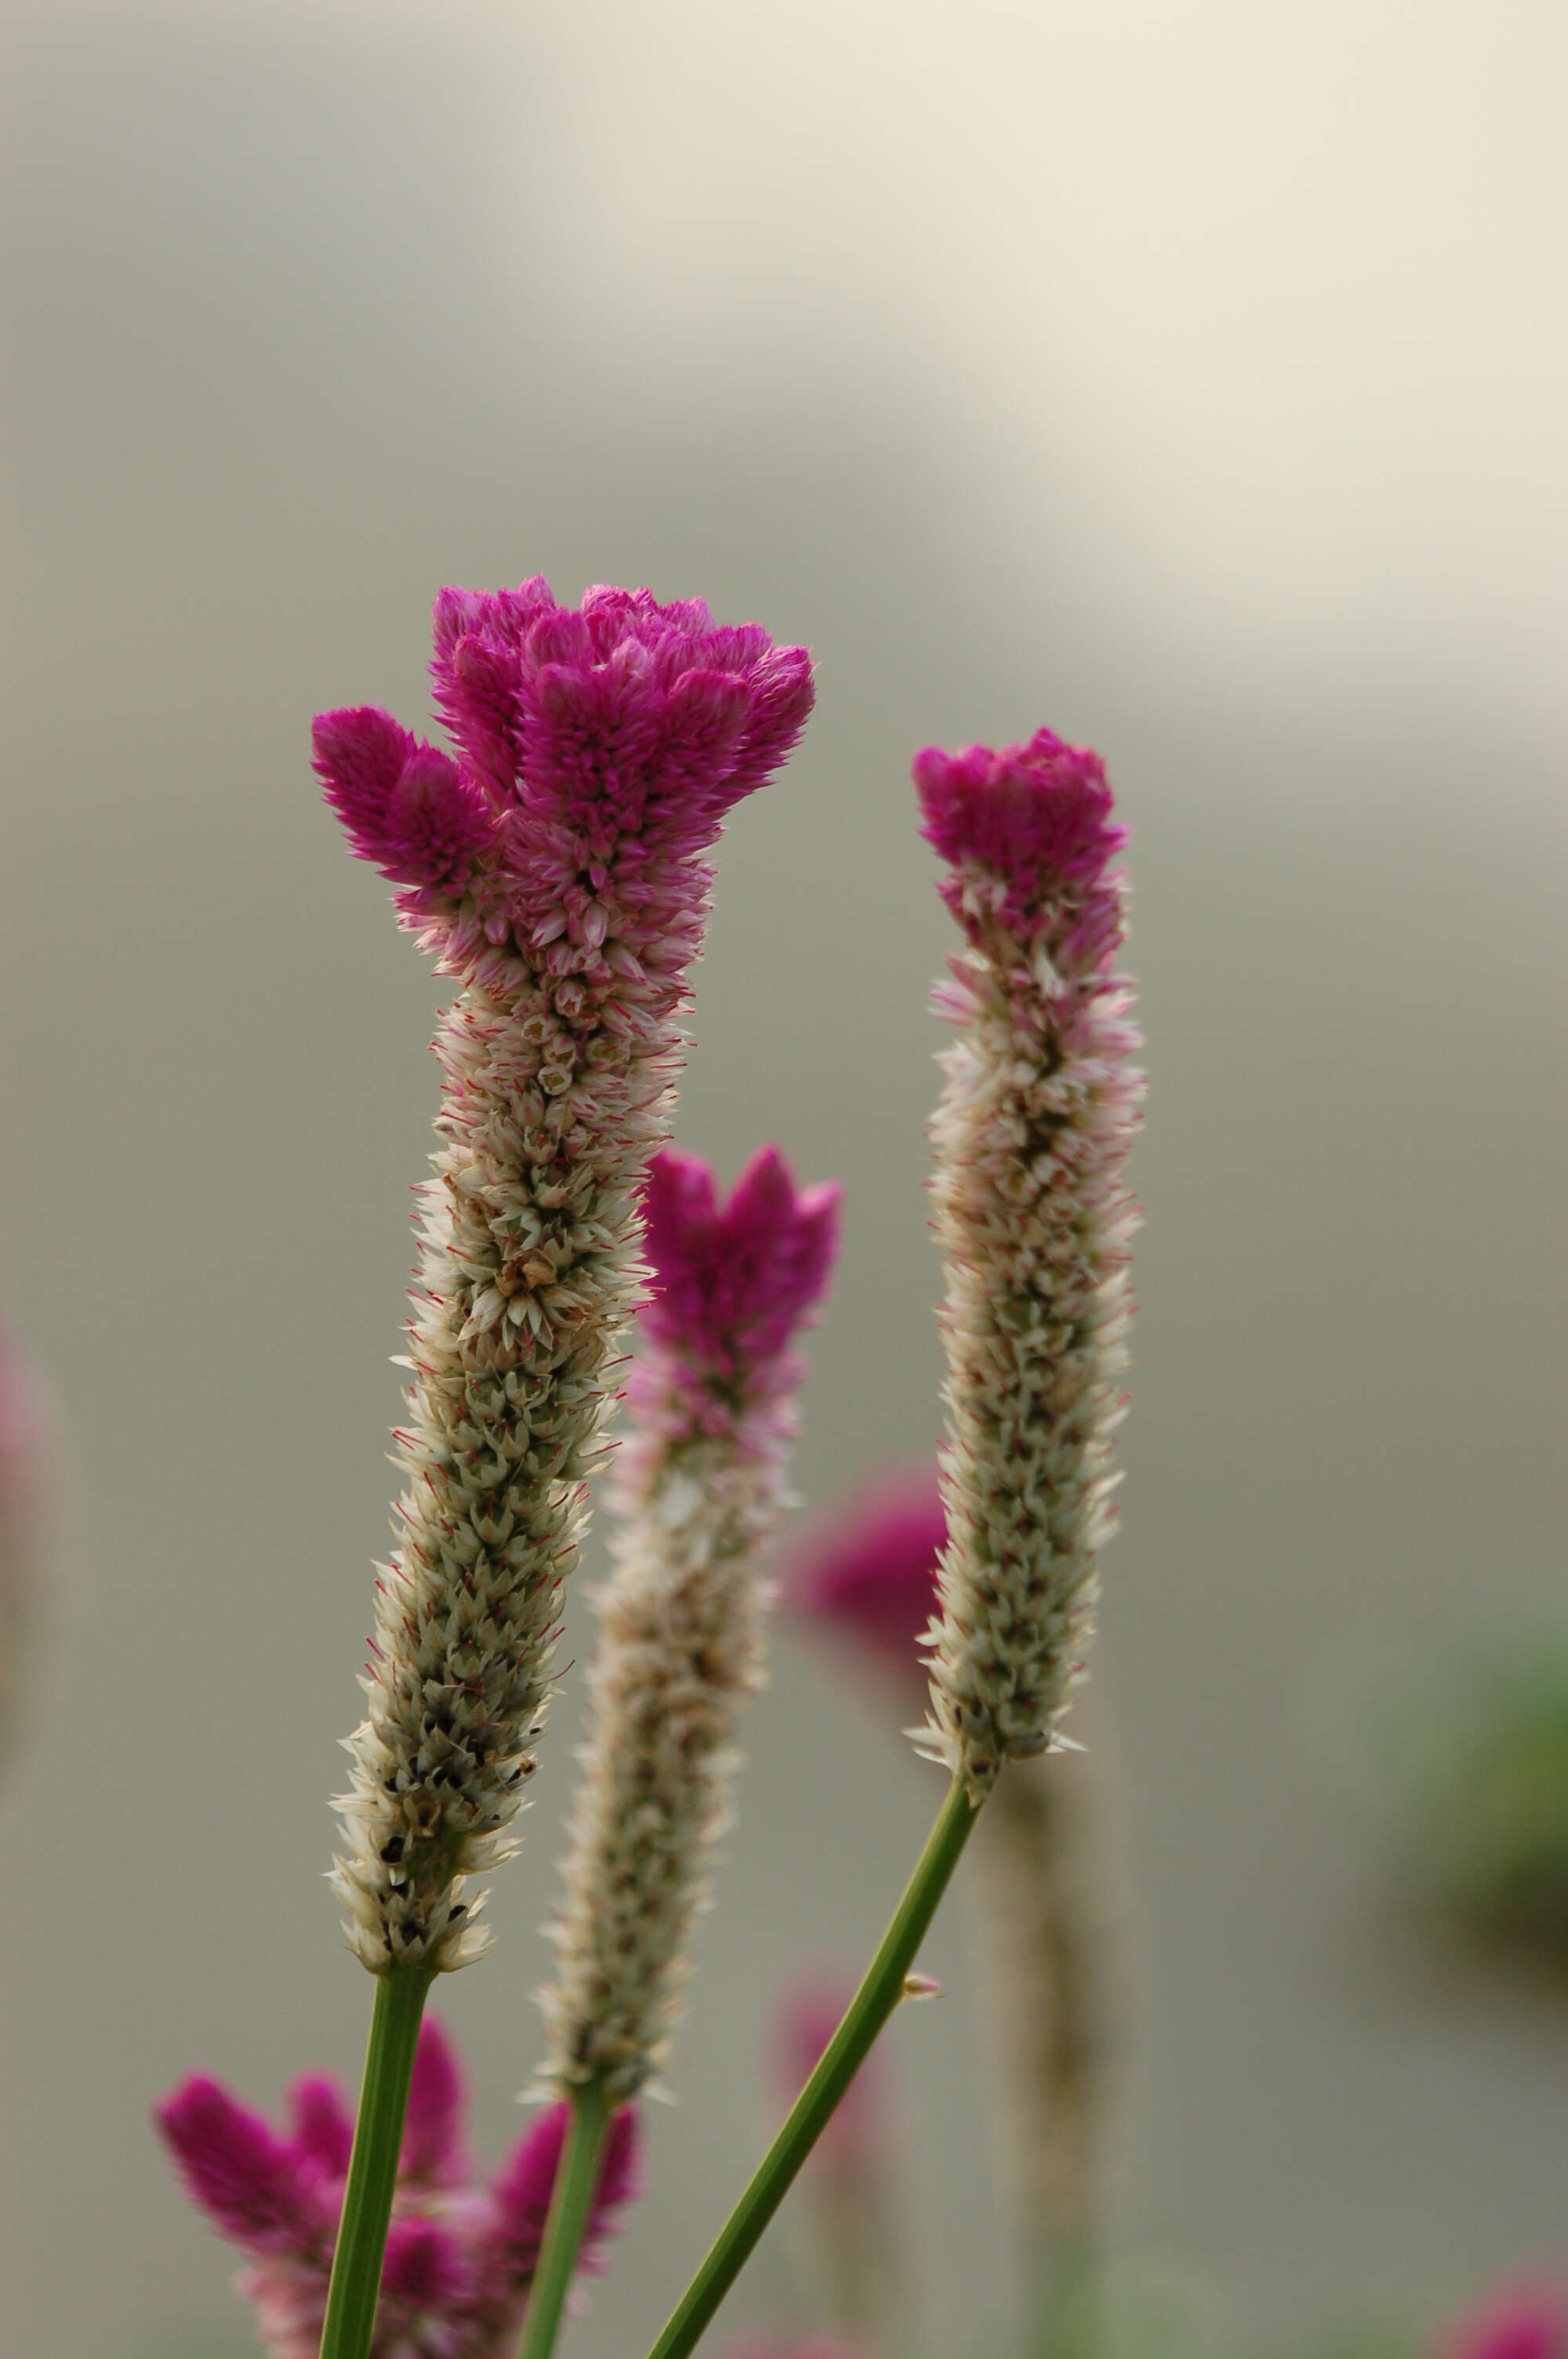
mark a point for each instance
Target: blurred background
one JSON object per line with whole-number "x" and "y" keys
{"x": 1190, "y": 376}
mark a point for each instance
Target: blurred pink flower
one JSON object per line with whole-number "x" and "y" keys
{"x": 865, "y": 1570}
{"x": 460, "y": 2255}
{"x": 815, "y": 2346}
{"x": 24, "y": 1450}
{"x": 807, "y": 2015}
{"x": 1520, "y": 2322}
{"x": 733, "y": 1282}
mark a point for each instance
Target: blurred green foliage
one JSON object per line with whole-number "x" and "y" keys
{"x": 1484, "y": 1774}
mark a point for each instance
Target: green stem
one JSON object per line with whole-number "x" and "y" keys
{"x": 1068, "y": 2319}
{"x": 570, "y": 2201}
{"x": 845, "y": 2053}
{"x": 372, "y": 2167}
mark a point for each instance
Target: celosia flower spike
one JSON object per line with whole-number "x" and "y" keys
{"x": 701, "y": 1483}
{"x": 461, "y": 2258}
{"x": 1034, "y": 1222}
{"x": 555, "y": 866}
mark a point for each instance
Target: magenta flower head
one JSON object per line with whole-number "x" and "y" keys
{"x": 731, "y": 1284}
{"x": 461, "y": 2254}
{"x": 1033, "y": 1222}
{"x": 700, "y": 1487}
{"x": 1523, "y": 2322}
{"x": 865, "y": 1572}
{"x": 553, "y": 860}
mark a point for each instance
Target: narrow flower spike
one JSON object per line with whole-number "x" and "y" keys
{"x": 554, "y": 868}
{"x": 701, "y": 1485}
{"x": 460, "y": 2257}
{"x": 1031, "y": 1135}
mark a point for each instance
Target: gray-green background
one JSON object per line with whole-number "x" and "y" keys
{"x": 1190, "y": 376}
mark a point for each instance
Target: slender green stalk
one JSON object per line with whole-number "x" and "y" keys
{"x": 372, "y": 2167}
{"x": 842, "y": 2058}
{"x": 570, "y": 2201}
{"x": 1067, "y": 2322}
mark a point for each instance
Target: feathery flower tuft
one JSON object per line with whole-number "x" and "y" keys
{"x": 1523, "y": 2322}
{"x": 701, "y": 1485}
{"x": 1031, "y": 1135}
{"x": 460, "y": 2257}
{"x": 866, "y": 1569}
{"x": 554, "y": 868}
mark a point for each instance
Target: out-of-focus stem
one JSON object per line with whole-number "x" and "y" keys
{"x": 869, "y": 2008}
{"x": 1067, "y": 2320}
{"x": 372, "y": 2165}
{"x": 1043, "y": 1964}
{"x": 571, "y": 2199}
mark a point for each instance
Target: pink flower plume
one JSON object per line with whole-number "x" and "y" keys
{"x": 520, "y": 2198}
{"x": 731, "y": 1283}
{"x": 432, "y": 2152}
{"x": 1032, "y": 817}
{"x": 460, "y": 2255}
{"x": 404, "y": 806}
{"x": 241, "y": 2173}
{"x": 322, "y": 2126}
{"x": 588, "y": 739}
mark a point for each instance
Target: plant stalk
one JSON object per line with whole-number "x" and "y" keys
{"x": 372, "y": 2165}
{"x": 571, "y": 2199}
{"x": 1068, "y": 2324}
{"x": 845, "y": 2053}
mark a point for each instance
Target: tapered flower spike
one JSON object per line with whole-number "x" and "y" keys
{"x": 554, "y": 868}
{"x": 461, "y": 2254}
{"x": 1031, "y": 1135}
{"x": 701, "y": 1485}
